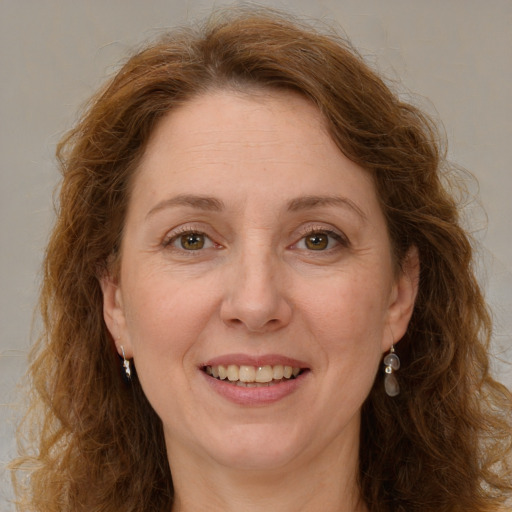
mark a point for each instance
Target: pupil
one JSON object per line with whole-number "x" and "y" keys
{"x": 317, "y": 242}
{"x": 192, "y": 241}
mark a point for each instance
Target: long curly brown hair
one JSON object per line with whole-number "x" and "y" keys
{"x": 444, "y": 444}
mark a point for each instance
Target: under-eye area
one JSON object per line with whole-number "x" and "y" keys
{"x": 254, "y": 376}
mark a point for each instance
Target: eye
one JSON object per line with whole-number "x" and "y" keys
{"x": 317, "y": 241}
{"x": 189, "y": 241}
{"x": 320, "y": 240}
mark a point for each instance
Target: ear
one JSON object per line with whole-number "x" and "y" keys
{"x": 114, "y": 314}
{"x": 403, "y": 297}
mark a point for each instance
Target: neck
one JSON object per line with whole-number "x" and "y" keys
{"x": 327, "y": 483}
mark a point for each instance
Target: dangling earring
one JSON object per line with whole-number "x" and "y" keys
{"x": 392, "y": 362}
{"x": 126, "y": 367}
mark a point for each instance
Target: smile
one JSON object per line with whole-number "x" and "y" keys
{"x": 252, "y": 376}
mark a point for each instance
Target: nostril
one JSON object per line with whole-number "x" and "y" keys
{"x": 256, "y": 325}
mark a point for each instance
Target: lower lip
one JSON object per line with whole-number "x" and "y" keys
{"x": 258, "y": 395}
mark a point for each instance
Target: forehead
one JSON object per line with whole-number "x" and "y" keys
{"x": 252, "y": 151}
{"x": 226, "y": 129}
{"x": 246, "y": 119}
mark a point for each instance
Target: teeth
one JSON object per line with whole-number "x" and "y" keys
{"x": 264, "y": 374}
{"x": 256, "y": 384}
{"x": 249, "y": 376}
{"x": 222, "y": 371}
{"x": 279, "y": 371}
{"x": 233, "y": 373}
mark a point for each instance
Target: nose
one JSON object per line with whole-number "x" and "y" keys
{"x": 255, "y": 296}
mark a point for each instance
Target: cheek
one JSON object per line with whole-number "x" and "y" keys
{"x": 164, "y": 323}
{"x": 348, "y": 322}
{"x": 347, "y": 308}
{"x": 163, "y": 314}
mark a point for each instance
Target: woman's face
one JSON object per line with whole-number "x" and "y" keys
{"x": 253, "y": 245}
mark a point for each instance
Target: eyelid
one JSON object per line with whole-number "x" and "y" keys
{"x": 329, "y": 230}
{"x": 305, "y": 230}
{"x": 172, "y": 235}
{"x": 311, "y": 229}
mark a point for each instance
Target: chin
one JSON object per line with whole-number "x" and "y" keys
{"x": 256, "y": 448}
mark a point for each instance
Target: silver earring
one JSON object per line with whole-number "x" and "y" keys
{"x": 126, "y": 366}
{"x": 392, "y": 363}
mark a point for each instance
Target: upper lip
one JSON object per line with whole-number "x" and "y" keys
{"x": 252, "y": 360}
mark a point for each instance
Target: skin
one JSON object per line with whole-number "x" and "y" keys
{"x": 257, "y": 288}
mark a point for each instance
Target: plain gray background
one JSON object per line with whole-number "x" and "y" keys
{"x": 453, "y": 54}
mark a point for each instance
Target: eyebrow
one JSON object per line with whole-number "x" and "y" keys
{"x": 213, "y": 204}
{"x": 310, "y": 202}
{"x": 194, "y": 201}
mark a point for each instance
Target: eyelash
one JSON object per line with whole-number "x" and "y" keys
{"x": 319, "y": 230}
{"x": 185, "y": 230}
{"x": 305, "y": 233}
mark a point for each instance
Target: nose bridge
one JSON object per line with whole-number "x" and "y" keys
{"x": 257, "y": 270}
{"x": 255, "y": 296}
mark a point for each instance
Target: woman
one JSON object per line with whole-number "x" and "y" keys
{"x": 257, "y": 295}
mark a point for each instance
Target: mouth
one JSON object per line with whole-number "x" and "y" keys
{"x": 253, "y": 376}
